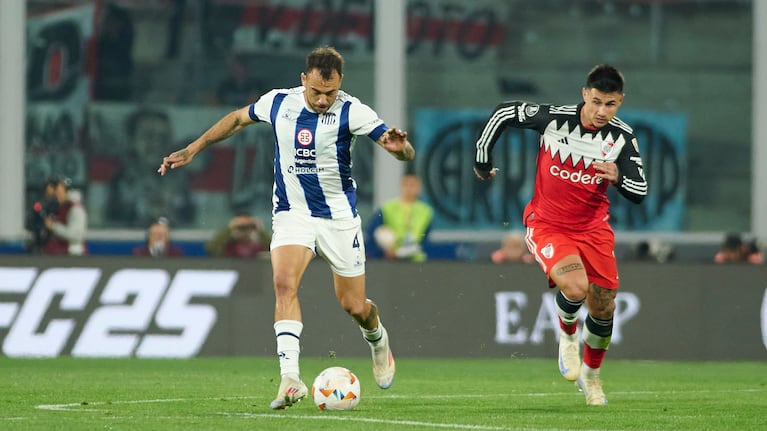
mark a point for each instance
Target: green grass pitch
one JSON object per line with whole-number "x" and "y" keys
{"x": 428, "y": 394}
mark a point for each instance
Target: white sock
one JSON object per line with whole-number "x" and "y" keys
{"x": 373, "y": 336}
{"x": 588, "y": 372}
{"x": 288, "y": 334}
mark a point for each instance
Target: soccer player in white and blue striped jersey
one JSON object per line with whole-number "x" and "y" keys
{"x": 314, "y": 202}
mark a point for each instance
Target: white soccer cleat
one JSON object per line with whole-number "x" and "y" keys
{"x": 383, "y": 362}
{"x": 592, "y": 388}
{"x": 569, "y": 357}
{"x": 291, "y": 391}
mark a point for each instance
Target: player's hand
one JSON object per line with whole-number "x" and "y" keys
{"x": 607, "y": 171}
{"x": 394, "y": 140}
{"x": 485, "y": 171}
{"x": 175, "y": 160}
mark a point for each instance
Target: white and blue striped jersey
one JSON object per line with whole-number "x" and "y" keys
{"x": 312, "y": 161}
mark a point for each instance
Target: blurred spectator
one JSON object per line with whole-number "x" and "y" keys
{"x": 65, "y": 219}
{"x": 513, "y": 249}
{"x": 651, "y": 251}
{"x": 735, "y": 249}
{"x": 245, "y": 236}
{"x": 400, "y": 229}
{"x": 753, "y": 253}
{"x": 158, "y": 241}
{"x": 239, "y": 88}
{"x": 41, "y": 209}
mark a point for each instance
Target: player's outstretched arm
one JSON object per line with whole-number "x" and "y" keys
{"x": 227, "y": 126}
{"x": 395, "y": 142}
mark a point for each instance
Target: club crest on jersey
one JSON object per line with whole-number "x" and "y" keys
{"x": 328, "y": 118}
{"x": 548, "y": 251}
{"x": 305, "y": 137}
{"x": 531, "y": 110}
{"x": 607, "y": 147}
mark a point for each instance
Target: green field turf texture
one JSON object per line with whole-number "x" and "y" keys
{"x": 428, "y": 394}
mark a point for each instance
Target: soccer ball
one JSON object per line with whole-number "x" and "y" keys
{"x": 336, "y": 388}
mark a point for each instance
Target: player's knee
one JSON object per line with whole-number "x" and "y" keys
{"x": 284, "y": 285}
{"x": 357, "y": 309}
{"x": 574, "y": 290}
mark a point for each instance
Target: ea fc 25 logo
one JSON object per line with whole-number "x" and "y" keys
{"x": 139, "y": 312}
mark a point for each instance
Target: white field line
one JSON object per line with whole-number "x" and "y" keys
{"x": 98, "y": 406}
{"x": 88, "y": 406}
{"x": 375, "y": 421}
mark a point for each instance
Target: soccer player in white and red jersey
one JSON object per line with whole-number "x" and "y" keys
{"x": 314, "y": 202}
{"x": 583, "y": 149}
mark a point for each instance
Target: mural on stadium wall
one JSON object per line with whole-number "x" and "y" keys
{"x": 454, "y": 29}
{"x": 57, "y": 91}
{"x": 446, "y": 152}
{"x": 111, "y": 150}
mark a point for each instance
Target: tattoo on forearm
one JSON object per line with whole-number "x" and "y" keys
{"x": 569, "y": 268}
{"x": 407, "y": 153}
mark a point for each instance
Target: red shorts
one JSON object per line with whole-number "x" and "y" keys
{"x": 596, "y": 249}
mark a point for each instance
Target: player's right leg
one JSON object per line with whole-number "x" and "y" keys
{"x": 597, "y": 332}
{"x": 290, "y": 256}
{"x": 378, "y": 340}
{"x": 351, "y": 295}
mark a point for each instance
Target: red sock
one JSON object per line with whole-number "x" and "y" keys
{"x": 593, "y": 357}
{"x": 568, "y": 329}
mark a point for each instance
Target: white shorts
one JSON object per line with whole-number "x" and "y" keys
{"x": 339, "y": 242}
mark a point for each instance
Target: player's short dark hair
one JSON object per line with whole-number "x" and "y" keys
{"x": 605, "y": 78}
{"x": 325, "y": 59}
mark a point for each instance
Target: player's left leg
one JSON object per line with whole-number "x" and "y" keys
{"x": 350, "y": 292}
{"x": 341, "y": 243}
{"x": 597, "y": 330}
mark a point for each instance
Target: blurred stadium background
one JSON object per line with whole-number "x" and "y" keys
{"x": 111, "y": 86}
{"x": 99, "y": 91}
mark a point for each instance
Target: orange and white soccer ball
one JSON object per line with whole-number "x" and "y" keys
{"x": 336, "y": 388}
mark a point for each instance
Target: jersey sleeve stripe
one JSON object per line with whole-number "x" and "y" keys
{"x": 252, "y": 112}
{"x": 636, "y": 187}
{"x": 377, "y": 132}
{"x": 492, "y": 128}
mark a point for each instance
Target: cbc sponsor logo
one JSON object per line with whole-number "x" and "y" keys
{"x": 306, "y": 153}
{"x": 576, "y": 177}
{"x": 139, "y": 312}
